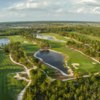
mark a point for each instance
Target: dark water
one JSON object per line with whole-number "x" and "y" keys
{"x": 53, "y": 58}
{"x": 4, "y": 41}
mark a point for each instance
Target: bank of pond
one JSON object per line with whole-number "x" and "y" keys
{"x": 52, "y": 59}
{"x": 4, "y": 41}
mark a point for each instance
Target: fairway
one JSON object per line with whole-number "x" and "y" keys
{"x": 27, "y": 45}
{"x": 86, "y": 64}
{"x": 9, "y": 87}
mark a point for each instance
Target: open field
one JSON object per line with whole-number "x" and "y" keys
{"x": 9, "y": 87}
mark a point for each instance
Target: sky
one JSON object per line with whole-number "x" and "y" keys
{"x": 49, "y": 10}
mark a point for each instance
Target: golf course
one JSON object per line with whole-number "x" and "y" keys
{"x": 48, "y": 57}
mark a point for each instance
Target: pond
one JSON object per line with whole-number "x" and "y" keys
{"x": 4, "y": 41}
{"x": 52, "y": 59}
{"x": 45, "y": 37}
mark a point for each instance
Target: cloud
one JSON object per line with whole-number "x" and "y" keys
{"x": 40, "y": 5}
{"x": 51, "y": 9}
{"x": 59, "y": 10}
{"x": 86, "y": 6}
{"x": 96, "y": 10}
{"x": 58, "y": 6}
{"x": 27, "y": 5}
{"x": 90, "y": 2}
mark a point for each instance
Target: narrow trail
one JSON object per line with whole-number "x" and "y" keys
{"x": 21, "y": 94}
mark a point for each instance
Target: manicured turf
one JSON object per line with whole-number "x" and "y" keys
{"x": 28, "y": 45}
{"x": 17, "y": 38}
{"x": 9, "y": 87}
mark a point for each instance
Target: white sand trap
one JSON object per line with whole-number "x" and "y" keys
{"x": 94, "y": 63}
{"x": 75, "y": 65}
{"x": 25, "y": 41}
{"x": 34, "y": 43}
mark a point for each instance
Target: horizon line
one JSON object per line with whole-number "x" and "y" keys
{"x": 52, "y": 21}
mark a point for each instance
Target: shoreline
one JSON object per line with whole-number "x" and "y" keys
{"x": 51, "y": 65}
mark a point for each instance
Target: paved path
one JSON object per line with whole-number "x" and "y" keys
{"x": 21, "y": 94}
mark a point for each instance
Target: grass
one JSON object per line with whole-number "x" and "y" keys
{"x": 17, "y": 38}
{"x": 28, "y": 46}
{"x": 9, "y": 87}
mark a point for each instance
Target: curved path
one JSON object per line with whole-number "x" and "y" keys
{"x": 20, "y": 95}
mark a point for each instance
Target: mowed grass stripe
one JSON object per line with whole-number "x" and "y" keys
{"x": 9, "y": 87}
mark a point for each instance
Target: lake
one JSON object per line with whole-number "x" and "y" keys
{"x": 4, "y": 41}
{"x": 53, "y": 59}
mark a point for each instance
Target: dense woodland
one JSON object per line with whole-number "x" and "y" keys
{"x": 79, "y": 89}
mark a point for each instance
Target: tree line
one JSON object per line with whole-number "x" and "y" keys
{"x": 89, "y": 46}
{"x": 42, "y": 88}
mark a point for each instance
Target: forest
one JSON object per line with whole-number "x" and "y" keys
{"x": 79, "y": 89}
